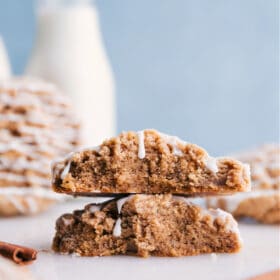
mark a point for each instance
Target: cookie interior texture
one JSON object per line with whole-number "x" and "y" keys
{"x": 148, "y": 162}
{"x": 146, "y": 225}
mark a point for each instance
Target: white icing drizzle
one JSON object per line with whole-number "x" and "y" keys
{"x": 230, "y": 223}
{"x": 33, "y": 191}
{"x": 16, "y": 203}
{"x": 33, "y": 179}
{"x": 211, "y": 164}
{"x": 32, "y": 204}
{"x": 62, "y": 165}
{"x": 117, "y": 231}
{"x": 65, "y": 170}
{"x": 141, "y": 144}
{"x": 51, "y": 133}
{"x": 22, "y": 163}
{"x": 23, "y": 145}
{"x": 65, "y": 163}
{"x": 173, "y": 142}
{"x": 93, "y": 208}
{"x": 117, "y": 228}
{"x": 34, "y": 87}
{"x": 121, "y": 202}
{"x": 26, "y": 148}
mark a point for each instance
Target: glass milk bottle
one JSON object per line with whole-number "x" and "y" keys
{"x": 5, "y": 68}
{"x": 69, "y": 51}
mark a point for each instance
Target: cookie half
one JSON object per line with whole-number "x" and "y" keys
{"x": 148, "y": 162}
{"x": 146, "y": 225}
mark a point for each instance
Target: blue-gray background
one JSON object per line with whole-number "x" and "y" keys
{"x": 204, "y": 70}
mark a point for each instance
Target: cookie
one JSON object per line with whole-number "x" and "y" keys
{"x": 148, "y": 162}
{"x": 146, "y": 225}
{"x": 37, "y": 124}
{"x": 263, "y": 203}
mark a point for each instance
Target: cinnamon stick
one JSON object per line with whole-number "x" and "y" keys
{"x": 17, "y": 253}
{"x": 273, "y": 275}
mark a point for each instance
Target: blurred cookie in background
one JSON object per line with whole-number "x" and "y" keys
{"x": 263, "y": 202}
{"x": 37, "y": 124}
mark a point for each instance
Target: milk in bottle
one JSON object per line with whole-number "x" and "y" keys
{"x": 69, "y": 51}
{"x": 5, "y": 68}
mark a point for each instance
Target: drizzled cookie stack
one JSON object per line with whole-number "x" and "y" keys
{"x": 149, "y": 177}
{"x": 37, "y": 124}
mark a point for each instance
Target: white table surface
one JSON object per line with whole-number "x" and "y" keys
{"x": 260, "y": 254}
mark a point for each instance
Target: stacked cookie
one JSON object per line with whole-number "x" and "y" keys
{"x": 151, "y": 175}
{"x": 263, "y": 203}
{"x": 36, "y": 125}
